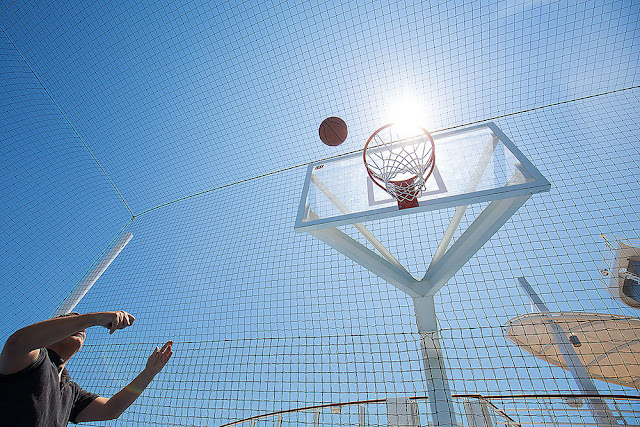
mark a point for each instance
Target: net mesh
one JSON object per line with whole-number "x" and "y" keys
{"x": 400, "y": 165}
{"x": 191, "y": 125}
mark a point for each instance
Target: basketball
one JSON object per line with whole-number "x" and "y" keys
{"x": 333, "y": 131}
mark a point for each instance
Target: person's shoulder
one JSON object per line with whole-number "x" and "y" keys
{"x": 42, "y": 356}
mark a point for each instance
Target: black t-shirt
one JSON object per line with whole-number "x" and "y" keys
{"x": 35, "y": 397}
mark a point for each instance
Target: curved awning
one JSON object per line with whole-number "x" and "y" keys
{"x": 608, "y": 346}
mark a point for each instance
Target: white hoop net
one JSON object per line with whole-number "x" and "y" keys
{"x": 400, "y": 160}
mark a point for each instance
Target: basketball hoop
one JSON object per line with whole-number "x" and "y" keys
{"x": 400, "y": 160}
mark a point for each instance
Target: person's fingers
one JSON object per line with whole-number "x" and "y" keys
{"x": 160, "y": 356}
{"x": 126, "y": 319}
{"x": 114, "y": 322}
{"x": 120, "y": 320}
{"x": 169, "y": 351}
{"x": 130, "y": 318}
{"x": 165, "y": 353}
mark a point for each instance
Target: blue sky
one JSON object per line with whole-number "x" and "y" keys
{"x": 190, "y": 125}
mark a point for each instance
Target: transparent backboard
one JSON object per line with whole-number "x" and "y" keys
{"x": 472, "y": 165}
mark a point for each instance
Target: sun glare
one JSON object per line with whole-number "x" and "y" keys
{"x": 408, "y": 113}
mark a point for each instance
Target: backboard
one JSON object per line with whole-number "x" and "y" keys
{"x": 472, "y": 165}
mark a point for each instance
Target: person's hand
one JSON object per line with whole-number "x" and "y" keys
{"x": 159, "y": 358}
{"x": 114, "y": 320}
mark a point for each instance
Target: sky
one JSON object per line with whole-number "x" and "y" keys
{"x": 191, "y": 126}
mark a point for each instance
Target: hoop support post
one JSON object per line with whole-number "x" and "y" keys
{"x": 440, "y": 400}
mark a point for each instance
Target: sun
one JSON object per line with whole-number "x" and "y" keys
{"x": 409, "y": 113}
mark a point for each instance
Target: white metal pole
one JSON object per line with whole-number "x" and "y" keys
{"x": 88, "y": 282}
{"x": 440, "y": 400}
{"x": 362, "y": 416}
{"x": 599, "y": 408}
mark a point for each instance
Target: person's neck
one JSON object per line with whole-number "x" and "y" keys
{"x": 64, "y": 355}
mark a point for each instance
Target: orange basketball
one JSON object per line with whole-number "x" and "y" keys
{"x": 333, "y": 131}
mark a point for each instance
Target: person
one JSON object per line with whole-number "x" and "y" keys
{"x": 35, "y": 387}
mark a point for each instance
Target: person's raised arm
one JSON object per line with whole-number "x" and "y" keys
{"x": 103, "y": 409}
{"x": 22, "y": 347}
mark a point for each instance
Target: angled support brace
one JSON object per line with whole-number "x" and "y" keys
{"x": 480, "y": 169}
{"x": 360, "y": 227}
{"x": 392, "y": 273}
{"x": 492, "y": 218}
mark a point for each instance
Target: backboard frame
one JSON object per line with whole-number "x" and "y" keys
{"x": 536, "y": 184}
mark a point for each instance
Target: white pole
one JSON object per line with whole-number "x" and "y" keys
{"x": 443, "y": 412}
{"x": 599, "y": 408}
{"x": 88, "y": 282}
